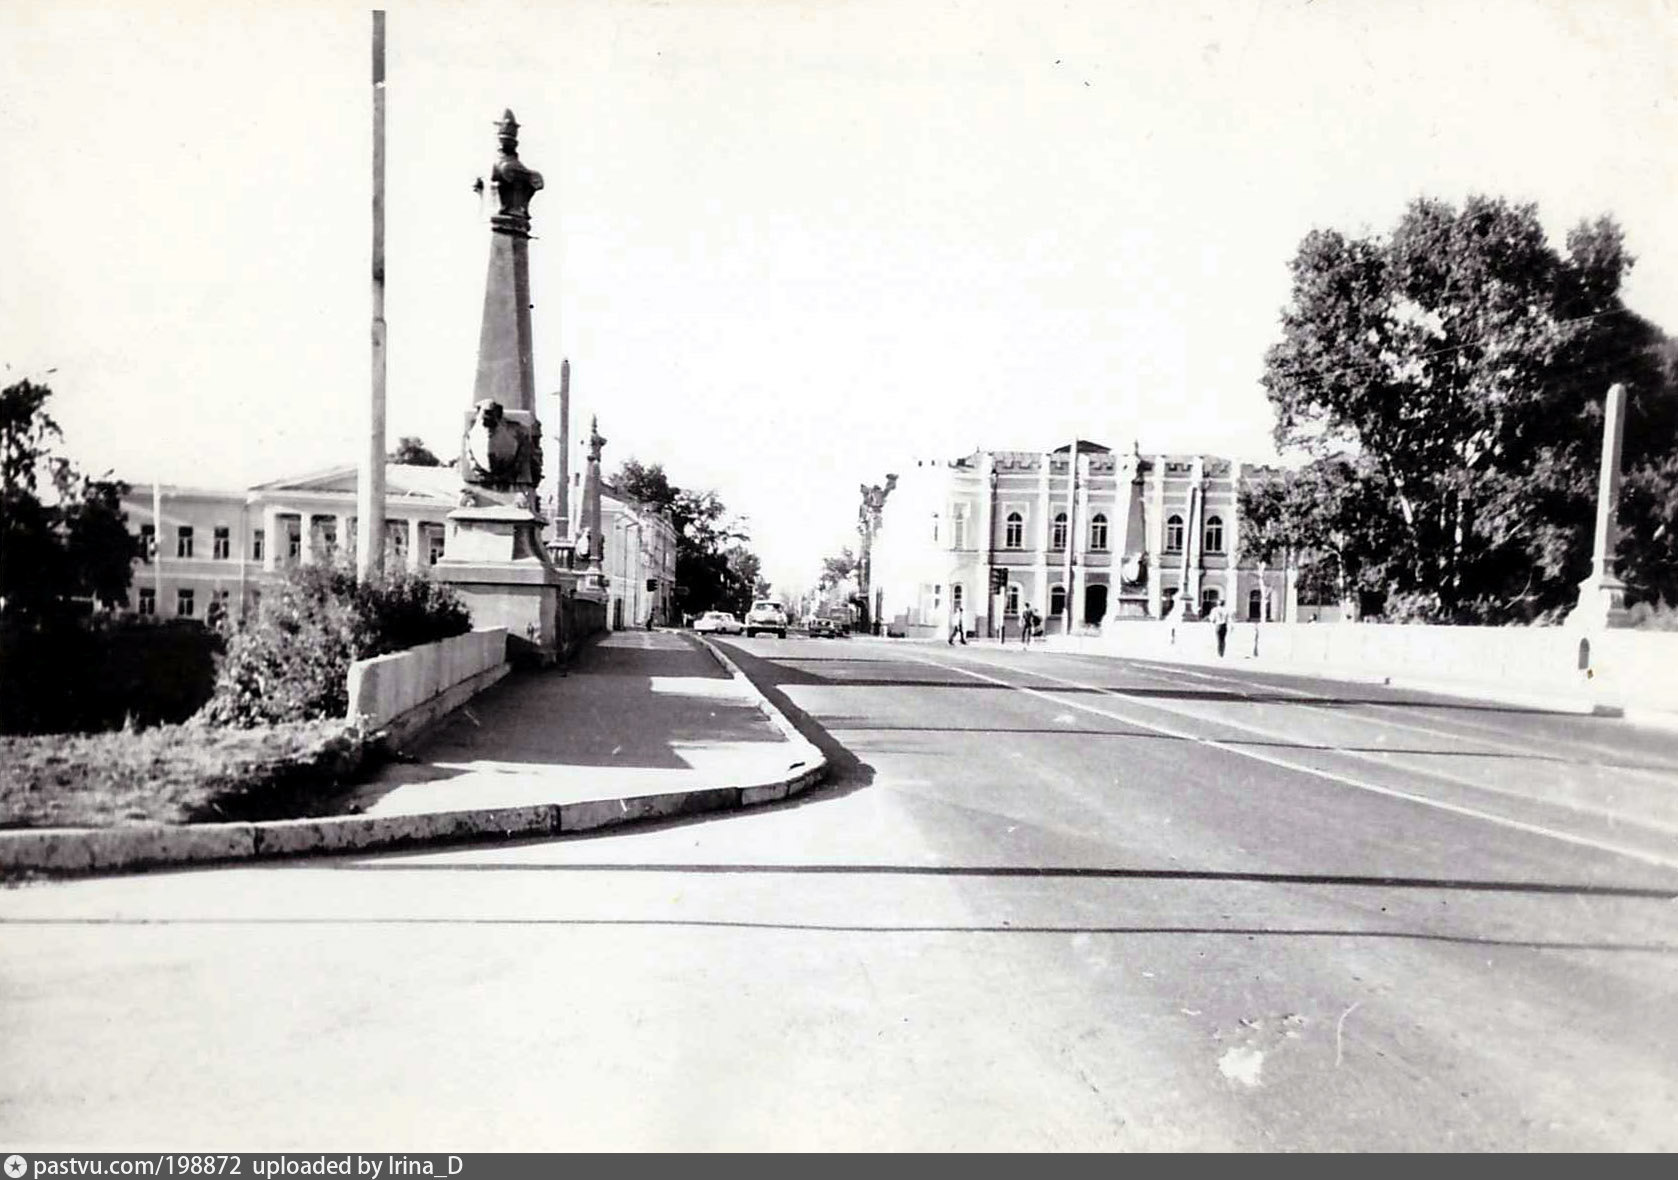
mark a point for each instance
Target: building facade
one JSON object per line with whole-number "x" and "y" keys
{"x": 209, "y": 553}
{"x": 1083, "y": 535}
{"x": 639, "y": 562}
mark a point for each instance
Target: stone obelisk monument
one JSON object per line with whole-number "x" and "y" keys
{"x": 1602, "y": 596}
{"x": 493, "y": 554}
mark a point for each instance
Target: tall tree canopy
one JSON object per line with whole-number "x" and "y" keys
{"x": 410, "y": 450}
{"x": 714, "y": 568}
{"x": 1454, "y": 371}
{"x": 74, "y": 543}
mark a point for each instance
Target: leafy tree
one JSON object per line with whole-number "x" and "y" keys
{"x": 1323, "y": 518}
{"x": 708, "y": 540}
{"x": 411, "y": 452}
{"x": 1457, "y": 367}
{"x": 837, "y": 569}
{"x": 75, "y": 544}
{"x": 647, "y": 484}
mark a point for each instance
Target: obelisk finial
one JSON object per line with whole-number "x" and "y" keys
{"x": 514, "y": 183}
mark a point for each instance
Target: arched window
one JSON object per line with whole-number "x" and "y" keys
{"x": 1174, "y": 534}
{"x": 1255, "y": 604}
{"x": 1013, "y": 598}
{"x": 1098, "y": 532}
{"x": 1167, "y": 600}
{"x": 1057, "y": 539}
{"x": 1209, "y": 598}
{"x": 1057, "y": 601}
{"x": 1214, "y": 534}
{"x": 1014, "y": 534}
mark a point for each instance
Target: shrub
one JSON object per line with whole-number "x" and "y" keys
{"x": 60, "y": 674}
{"x": 1652, "y": 616}
{"x": 292, "y": 662}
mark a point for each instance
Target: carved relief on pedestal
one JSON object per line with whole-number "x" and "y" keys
{"x": 499, "y": 452}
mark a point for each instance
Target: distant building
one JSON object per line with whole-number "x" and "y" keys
{"x": 640, "y": 560}
{"x": 1105, "y": 537}
{"x": 212, "y": 551}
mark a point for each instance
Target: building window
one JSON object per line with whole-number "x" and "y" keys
{"x": 183, "y": 541}
{"x": 183, "y": 603}
{"x": 958, "y": 527}
{"x": 293, "y": 526}
{"x": 256, "y": 544}
{"x": 1057, "y": 601}
{"x": 1209, "y": 598}
{"x": 323, "y": 536}
{"x": 955, "y": 597}
{"x": 1013, "y": 598}
{"x": 1014, "y": 534}
{"x": 221, "y": 543}
{"x": 1167, "y": 600}
{"x": 148, "y": 600}
{"x": 935, "y": 528}
{"x": 1057, "y": 536}
{"x": 396, "y": 541}
{"x": 1174, "y": 534}
{"x": 1098, "y": 532}
{"x": 433, "y": 543}
{"x": 1214, "y": 534}
{"x": 148, "y": 542}
{"x": 1255, "y": 604}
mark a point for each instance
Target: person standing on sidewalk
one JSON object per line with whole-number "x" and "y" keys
{"x": 1028, "y": 623}
{"x": 1219, "y": 618}
{"x": 957, "y": 629}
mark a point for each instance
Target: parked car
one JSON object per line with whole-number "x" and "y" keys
{"x": 826, "y": 629}
{"x": 766, "y": 615}
{"x": 718, "y": 622}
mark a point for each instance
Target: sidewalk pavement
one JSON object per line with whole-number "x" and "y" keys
{"x": 642, "y": 725}
{"x": 639, "y": 713}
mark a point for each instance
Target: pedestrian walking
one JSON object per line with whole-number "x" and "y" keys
{"x": 1219, "y": 619}
{"x": 957, "y": 629}
{"x": 1028, "y": 624}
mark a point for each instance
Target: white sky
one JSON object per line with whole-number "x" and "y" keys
{"x": 786, "y": 245}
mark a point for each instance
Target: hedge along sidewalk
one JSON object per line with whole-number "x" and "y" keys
{"x": 648, "y": 692}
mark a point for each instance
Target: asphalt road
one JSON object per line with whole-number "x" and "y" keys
{"x": 1048, "y": 902}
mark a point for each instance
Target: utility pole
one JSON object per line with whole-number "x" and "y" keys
{"x": 370, "y": 486}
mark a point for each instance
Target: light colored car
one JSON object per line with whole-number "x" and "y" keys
{"x": 766, "y": 615}
{"x": 718, "y": 622}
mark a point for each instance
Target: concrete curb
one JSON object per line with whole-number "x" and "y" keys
{"x": 763, "y": 703}
{"x": 69, "y": 851}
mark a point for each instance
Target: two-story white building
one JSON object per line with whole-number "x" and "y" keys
{"x": 210, "y": 552}
{"x": 639, "y": 562}
{"x": 1081, "y": 534}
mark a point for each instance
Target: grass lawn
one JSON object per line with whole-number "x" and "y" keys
{"x": 173, "y": 774}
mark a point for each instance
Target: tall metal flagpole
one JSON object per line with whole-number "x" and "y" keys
{"x": 370, "y": 485}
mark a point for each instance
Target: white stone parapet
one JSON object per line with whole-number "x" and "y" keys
{"x": 1626, "y": 667}
{"x": 422, "y": 682}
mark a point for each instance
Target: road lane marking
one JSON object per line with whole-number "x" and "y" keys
{"x": 1496, "y": 738}
{"x": 1317, "y": 772}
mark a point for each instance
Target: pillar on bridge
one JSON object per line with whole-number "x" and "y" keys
{"x": 1602, "y": 596}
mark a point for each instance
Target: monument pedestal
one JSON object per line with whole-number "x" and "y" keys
{"x": 493, "y": 558}
{"x": 1602, "y": 604}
